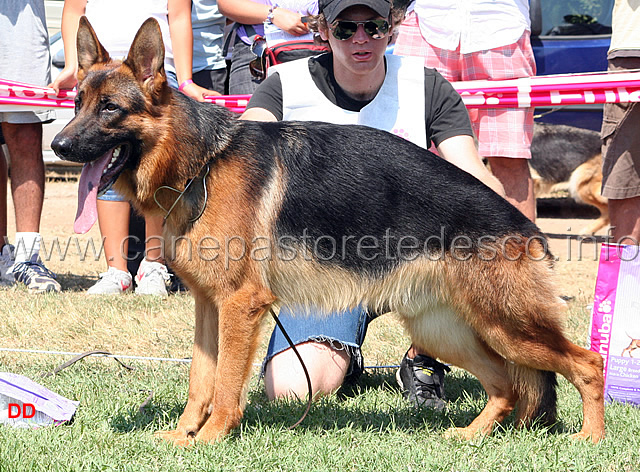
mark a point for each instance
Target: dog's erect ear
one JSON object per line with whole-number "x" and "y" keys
{"x": 90, "y": 51}
{"x": 146, "y": 57}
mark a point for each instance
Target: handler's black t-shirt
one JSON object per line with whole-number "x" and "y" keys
{"x": 445, "y": 113}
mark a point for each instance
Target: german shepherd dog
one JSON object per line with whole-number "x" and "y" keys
{"x": 323, "y": 215}
{"x": 569, "y": 158}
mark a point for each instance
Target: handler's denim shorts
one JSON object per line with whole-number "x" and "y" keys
{"x": 111, "y": 196}
{"x": 345, "y": 330}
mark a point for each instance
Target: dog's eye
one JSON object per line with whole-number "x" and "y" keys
{"x": 110, "y": 107}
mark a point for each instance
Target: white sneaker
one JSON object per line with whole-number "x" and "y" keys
{"x": 113, "y": 281}
{"x": 6, "y": 263}
{"x": 152, "y": 278}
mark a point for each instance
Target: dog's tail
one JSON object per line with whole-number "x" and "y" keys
{"x": 536, "y": 390}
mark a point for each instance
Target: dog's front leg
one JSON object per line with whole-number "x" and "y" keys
{"x": 240, "y": 321}
{"x": 201, "y": 376}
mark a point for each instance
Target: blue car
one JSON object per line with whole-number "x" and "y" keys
{"x": 571, "y": 36}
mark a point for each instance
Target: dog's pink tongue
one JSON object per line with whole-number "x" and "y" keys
{"x": 87, "y": 213}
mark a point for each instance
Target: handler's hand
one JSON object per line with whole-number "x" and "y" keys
{"x": 198, "y": 93}
{"x": 65, "y": 80}
{"x": 289, "y": 21}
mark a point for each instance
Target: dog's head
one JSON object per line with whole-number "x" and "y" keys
{"x": 116, "y": 106}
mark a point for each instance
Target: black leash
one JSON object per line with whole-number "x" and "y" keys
{"x": 82, "y": 356}
{"x": 146, "y": 402}
{"x": 304, "y": 368}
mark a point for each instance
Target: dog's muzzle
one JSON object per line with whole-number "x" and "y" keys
{"x": 63, "y": 147}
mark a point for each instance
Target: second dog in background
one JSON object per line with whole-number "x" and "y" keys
{"x": 566, "y": 158}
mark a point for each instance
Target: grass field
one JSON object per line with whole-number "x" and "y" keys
{"x": 367, "y": 426}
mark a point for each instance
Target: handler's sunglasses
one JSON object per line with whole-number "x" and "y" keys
{"x": 345, "y": 29}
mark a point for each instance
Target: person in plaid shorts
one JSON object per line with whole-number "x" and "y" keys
{"x": 482, "y": 40}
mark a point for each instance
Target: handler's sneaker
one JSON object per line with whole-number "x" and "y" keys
{"x": 152, "y": 278}
{"x": 112, "y": 282}
{"x": 6, "y": 262}
{"x": 422, "y": 381}
{"x": 35, "y": 276}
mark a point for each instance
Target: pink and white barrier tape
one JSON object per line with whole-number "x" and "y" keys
{"x": 550, "y": 90}
{"x": 20, "y": 95}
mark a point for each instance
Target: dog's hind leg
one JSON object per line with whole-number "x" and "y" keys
{"x": 201, "y": 375}
{"x": 585, "y": 185}
{"x": 511, "y": 303}
{"x": 491, "y": 371}
{"x": 240, "y": 320}
{"x": 633, "y": 345}
{"x": 583, "y": 369}
{"x": 443, "y": 335}
{"x": 547, "y": 350}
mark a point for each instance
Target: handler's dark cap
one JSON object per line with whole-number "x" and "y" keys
{"x": 332, "y": 8}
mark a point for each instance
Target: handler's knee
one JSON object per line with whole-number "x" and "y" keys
{"x": 327, "y": 367}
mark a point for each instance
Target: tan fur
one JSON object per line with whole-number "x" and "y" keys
{"x": 584, "y": 186}
{"x": 495, "y": 314}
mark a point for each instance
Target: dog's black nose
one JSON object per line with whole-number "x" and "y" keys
{"x": 62, "y": 146}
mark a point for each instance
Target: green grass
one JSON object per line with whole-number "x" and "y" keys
{"x": 364, "y": 427}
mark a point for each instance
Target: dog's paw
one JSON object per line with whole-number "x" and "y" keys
{"x": 587, "y": 436}
{"x": 179, "y": 438}
{"x": 465, "y": 434}
{"x": 211, "y": 434}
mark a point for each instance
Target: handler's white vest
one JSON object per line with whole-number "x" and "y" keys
{"x": 399, "y": 106}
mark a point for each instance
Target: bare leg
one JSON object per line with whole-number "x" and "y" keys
{"x": 154, "y": 243}
{"x": 518, "y": 185}
{"x": 413, "y": 352}
{"x": 625, "y": 218}
{"x": 3, "y": 199}
{"x": 24, "y": 142}
{"x": 113, "y": 218}
{"x": 327, "y": 368}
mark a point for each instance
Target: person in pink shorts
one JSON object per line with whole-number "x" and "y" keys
{"x": 482, "y": 40}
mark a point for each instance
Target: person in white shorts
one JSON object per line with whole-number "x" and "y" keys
{"x": 24, "y": 57}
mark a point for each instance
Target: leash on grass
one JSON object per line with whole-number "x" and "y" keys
{"x": 79, "y": 357}
{"x": 75, "y": 359}
{"x": 304, "y": 368}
